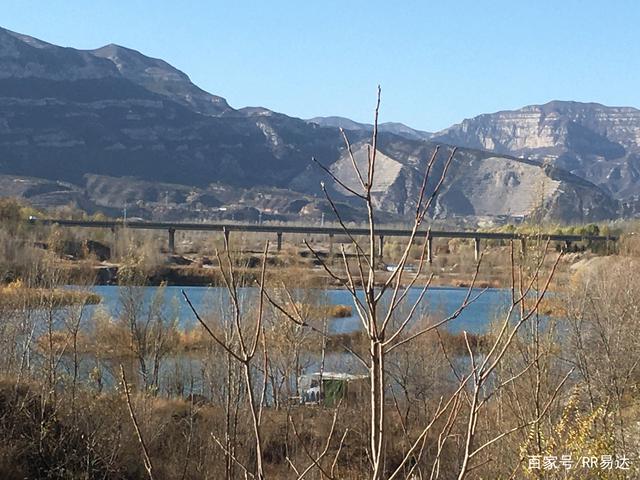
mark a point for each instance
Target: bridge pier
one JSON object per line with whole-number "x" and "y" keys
{"x": 476, "y": 248}
{"x": 114, "y": 233}
{"x": 331, "y": 244}
{"x": 225, "y": 232}
{"x": 279, "y": 234}
{"x": 172, "y": 240}
{"x": 380, "y": 246}
{"x": 430, "y": 249}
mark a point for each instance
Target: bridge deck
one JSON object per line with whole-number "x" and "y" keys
{"x": 249, "y": 227}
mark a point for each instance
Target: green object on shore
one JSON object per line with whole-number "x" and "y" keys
{"x": 334, "y": 390}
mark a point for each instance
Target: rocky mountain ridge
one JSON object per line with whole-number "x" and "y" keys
{"x": 598, "y": 143}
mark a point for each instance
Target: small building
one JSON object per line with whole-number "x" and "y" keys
{"x": 328, "y": 388}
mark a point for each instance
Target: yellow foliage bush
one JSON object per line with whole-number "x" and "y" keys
{"x": 577, "y": 435}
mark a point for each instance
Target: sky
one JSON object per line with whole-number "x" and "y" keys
{"x": 437, "y": 62}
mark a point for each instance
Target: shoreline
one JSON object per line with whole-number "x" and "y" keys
{"x": 210, "y": 277}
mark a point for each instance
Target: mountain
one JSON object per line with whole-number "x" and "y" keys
{"x": 112, "y": 128}
{"x": 598, "y": 143}
{"x": 395, "y": 128}
{"x": 67, "y": 112}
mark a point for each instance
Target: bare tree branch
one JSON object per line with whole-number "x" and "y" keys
{"x": 145, "y": 452}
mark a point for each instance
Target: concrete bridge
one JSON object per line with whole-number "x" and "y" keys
{"x": 279, "y": 230}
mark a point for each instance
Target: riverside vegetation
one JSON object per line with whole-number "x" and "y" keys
{"x": 134, "y": 395}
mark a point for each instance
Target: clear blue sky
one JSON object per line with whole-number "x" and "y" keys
{"x": 437, "y": 62}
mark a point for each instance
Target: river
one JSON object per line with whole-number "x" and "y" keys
{"x": 438, "y": 303}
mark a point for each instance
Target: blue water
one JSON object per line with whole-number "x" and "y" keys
{"x": 438, "y": 303}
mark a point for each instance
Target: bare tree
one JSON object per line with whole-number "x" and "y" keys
{"x": 244, "y": 352}
{"x": 152, "y": 325}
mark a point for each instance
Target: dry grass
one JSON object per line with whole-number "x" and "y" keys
{"x": 90, "y": 437}
{"x": 339, "y": 311}
{"x": 17, "y": 295}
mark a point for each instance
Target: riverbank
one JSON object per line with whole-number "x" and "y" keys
{"x": 17, "y": 295}
{"x": 446, "y": 273}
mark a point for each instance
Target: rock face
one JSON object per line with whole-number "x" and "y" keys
{"x": 111, "y": 128}
{"x": 598, "y": 143}
{"x": 478, "y": 184}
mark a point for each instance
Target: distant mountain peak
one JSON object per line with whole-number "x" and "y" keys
{"x": 160, "y": 77}
{"x": 395, "y": 128}
{"x": 339, "y": 122}
{"x": 28, "y": 57}
{"x": 114, "y": 51}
